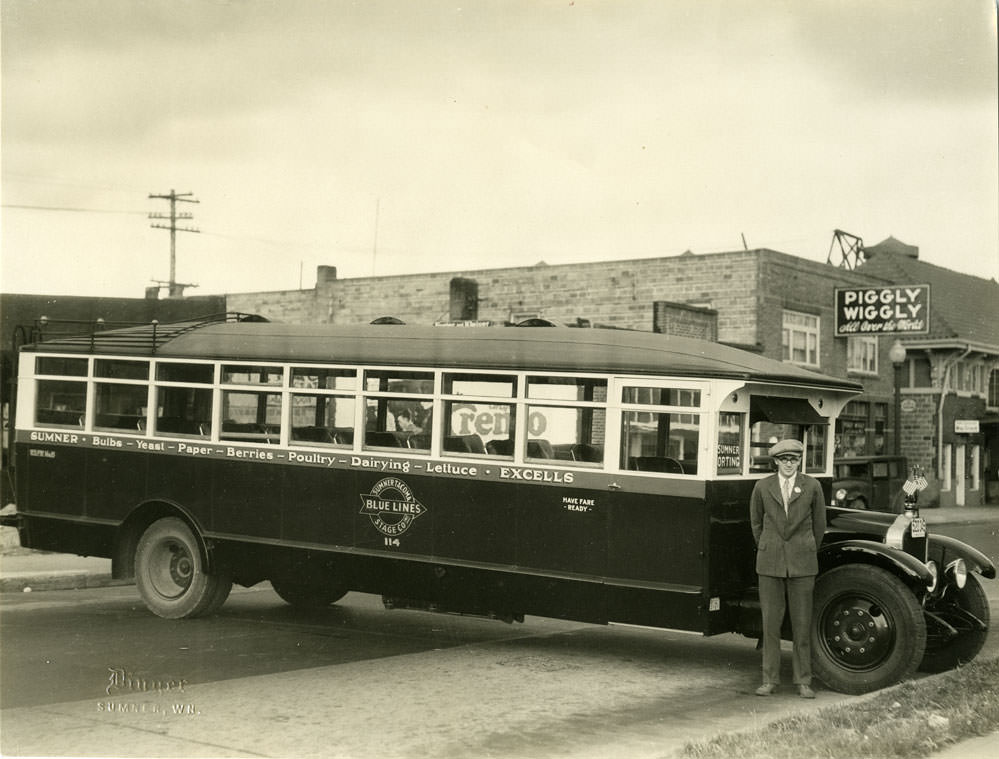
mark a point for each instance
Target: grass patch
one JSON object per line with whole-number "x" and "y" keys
{"x": 912, "y": 719}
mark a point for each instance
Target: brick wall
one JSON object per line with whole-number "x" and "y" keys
{"x": 294, "y": 306}
{"x": 919, "y": 431}
{"x": 685, "y": 321}
{"x": 748, "y": 290}
{"x": 616, "y": 293}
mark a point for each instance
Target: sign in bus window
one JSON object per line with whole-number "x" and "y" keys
{"x": 252, "y": 375}
{"x": 120, "y": 407}
{"x": 251, "y": 416}
{"x": 60, "y": 403}
{"x": 312, "y": 378}
{"x": 322, "y": 419}
{"x": 572, "y": 435}
{"x": 660, "y": 442}
{"x": 730, "y": 443}
{"x": 479, "y": 428}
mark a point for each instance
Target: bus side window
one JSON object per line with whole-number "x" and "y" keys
{"x": 60, "y": 403}
{"x": 120, "y": 407}
{"x": 322, "y": 419}
{"x": 479, "y": 428}
{"x": 251, "y": 416}
{"x": 662, "y": 442}
{"x": 120, "y": 403}
{"x": 398, "y": 423}
{"x": 184, "y": 408}
{"x": 569, "y": 422}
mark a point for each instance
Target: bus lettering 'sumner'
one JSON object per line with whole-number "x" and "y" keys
{"x": 597, "y": 475}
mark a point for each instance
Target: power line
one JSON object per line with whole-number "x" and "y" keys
{"x": 72, "y": 209}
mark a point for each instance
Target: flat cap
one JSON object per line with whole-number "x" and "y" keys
{"x": 786, "y": 446}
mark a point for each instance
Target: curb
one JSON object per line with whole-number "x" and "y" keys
{"x": 58, "y": 580}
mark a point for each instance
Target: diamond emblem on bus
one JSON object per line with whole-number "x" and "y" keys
{"x": 391, "y": 506}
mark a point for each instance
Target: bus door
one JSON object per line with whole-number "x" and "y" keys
{"x": 657, "y": 523}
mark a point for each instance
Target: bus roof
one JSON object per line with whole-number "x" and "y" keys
{"x": 509, "y": 348}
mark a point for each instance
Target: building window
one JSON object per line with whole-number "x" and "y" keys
{"x": 968, "y": 377}
{"x": 800, "y": 338}
{"x": 994, "y": 388}
{"x": 862, "y": 355}
{"x": 920, "y": 371}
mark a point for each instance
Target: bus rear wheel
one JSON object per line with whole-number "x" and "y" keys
{"x": 308, "y": 596}
{"x": 868, "y": 630}
{"x": 170, "y": 572}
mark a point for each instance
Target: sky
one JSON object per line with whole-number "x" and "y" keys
{"x": 393, "y": 137}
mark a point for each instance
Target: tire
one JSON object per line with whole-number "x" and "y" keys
{"x": 868, "y": 630}
{"x": 858, "y": 503}
{"x": 170, "y": 572}
{"x": 957, "y": 603}
{"x": 306, "y": 596}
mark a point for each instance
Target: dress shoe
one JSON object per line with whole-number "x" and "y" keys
{"x": 805, "y": 691}
{"x": 767, "y": 689}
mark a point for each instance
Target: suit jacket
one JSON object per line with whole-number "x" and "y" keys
{"x": 787, "y": 544}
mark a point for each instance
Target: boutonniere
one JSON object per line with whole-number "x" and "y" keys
{"x": 797, "y": 489}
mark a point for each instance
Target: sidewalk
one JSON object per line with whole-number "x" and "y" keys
{"x": 983, "y": 747}
{"x": 24, "y": 570}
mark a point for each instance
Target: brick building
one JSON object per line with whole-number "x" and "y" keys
{"x": 950, "y": 380}
{"x": 761, "y": 300}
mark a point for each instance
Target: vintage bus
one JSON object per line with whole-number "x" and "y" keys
{"x": 587, "y": 474}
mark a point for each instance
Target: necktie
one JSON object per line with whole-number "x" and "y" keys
{"x": 786, "y": 488}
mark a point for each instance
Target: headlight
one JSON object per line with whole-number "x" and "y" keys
{"x": 935, "y": 573}
{"x": 958, "y": 572}
{"x": 841, "y": 494}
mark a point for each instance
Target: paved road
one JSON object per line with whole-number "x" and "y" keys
{"x": 263, "y": 679}
{"x": 358, "y": 681}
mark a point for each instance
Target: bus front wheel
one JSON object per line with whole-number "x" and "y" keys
{"x": 170, "y": 572}
{"x": 868, "y": 630}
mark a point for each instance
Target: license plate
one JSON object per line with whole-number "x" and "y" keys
{"x": 918, "y": 527}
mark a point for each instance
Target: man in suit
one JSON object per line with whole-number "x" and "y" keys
{"x": 788, "y": 515}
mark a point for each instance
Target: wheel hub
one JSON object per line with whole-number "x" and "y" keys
{"x": 857, "y": 633}
{"x": 172, "y": 569}
{"x": 181, "y": 566}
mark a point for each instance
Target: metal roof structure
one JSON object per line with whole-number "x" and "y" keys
{"x": 243, "y": 337}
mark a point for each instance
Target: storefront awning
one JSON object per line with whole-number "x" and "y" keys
{"x": 783, "y": 411}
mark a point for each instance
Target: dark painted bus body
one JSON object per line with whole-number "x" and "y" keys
{"x": 595, "y": 475}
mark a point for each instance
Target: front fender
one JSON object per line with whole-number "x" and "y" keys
{"x": 908, "y": 567}
{"x": 944, "y": 549}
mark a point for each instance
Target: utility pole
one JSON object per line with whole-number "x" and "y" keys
{"x": 175, "y": 289}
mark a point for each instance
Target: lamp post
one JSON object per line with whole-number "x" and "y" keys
{"x": 897, "y": 356}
